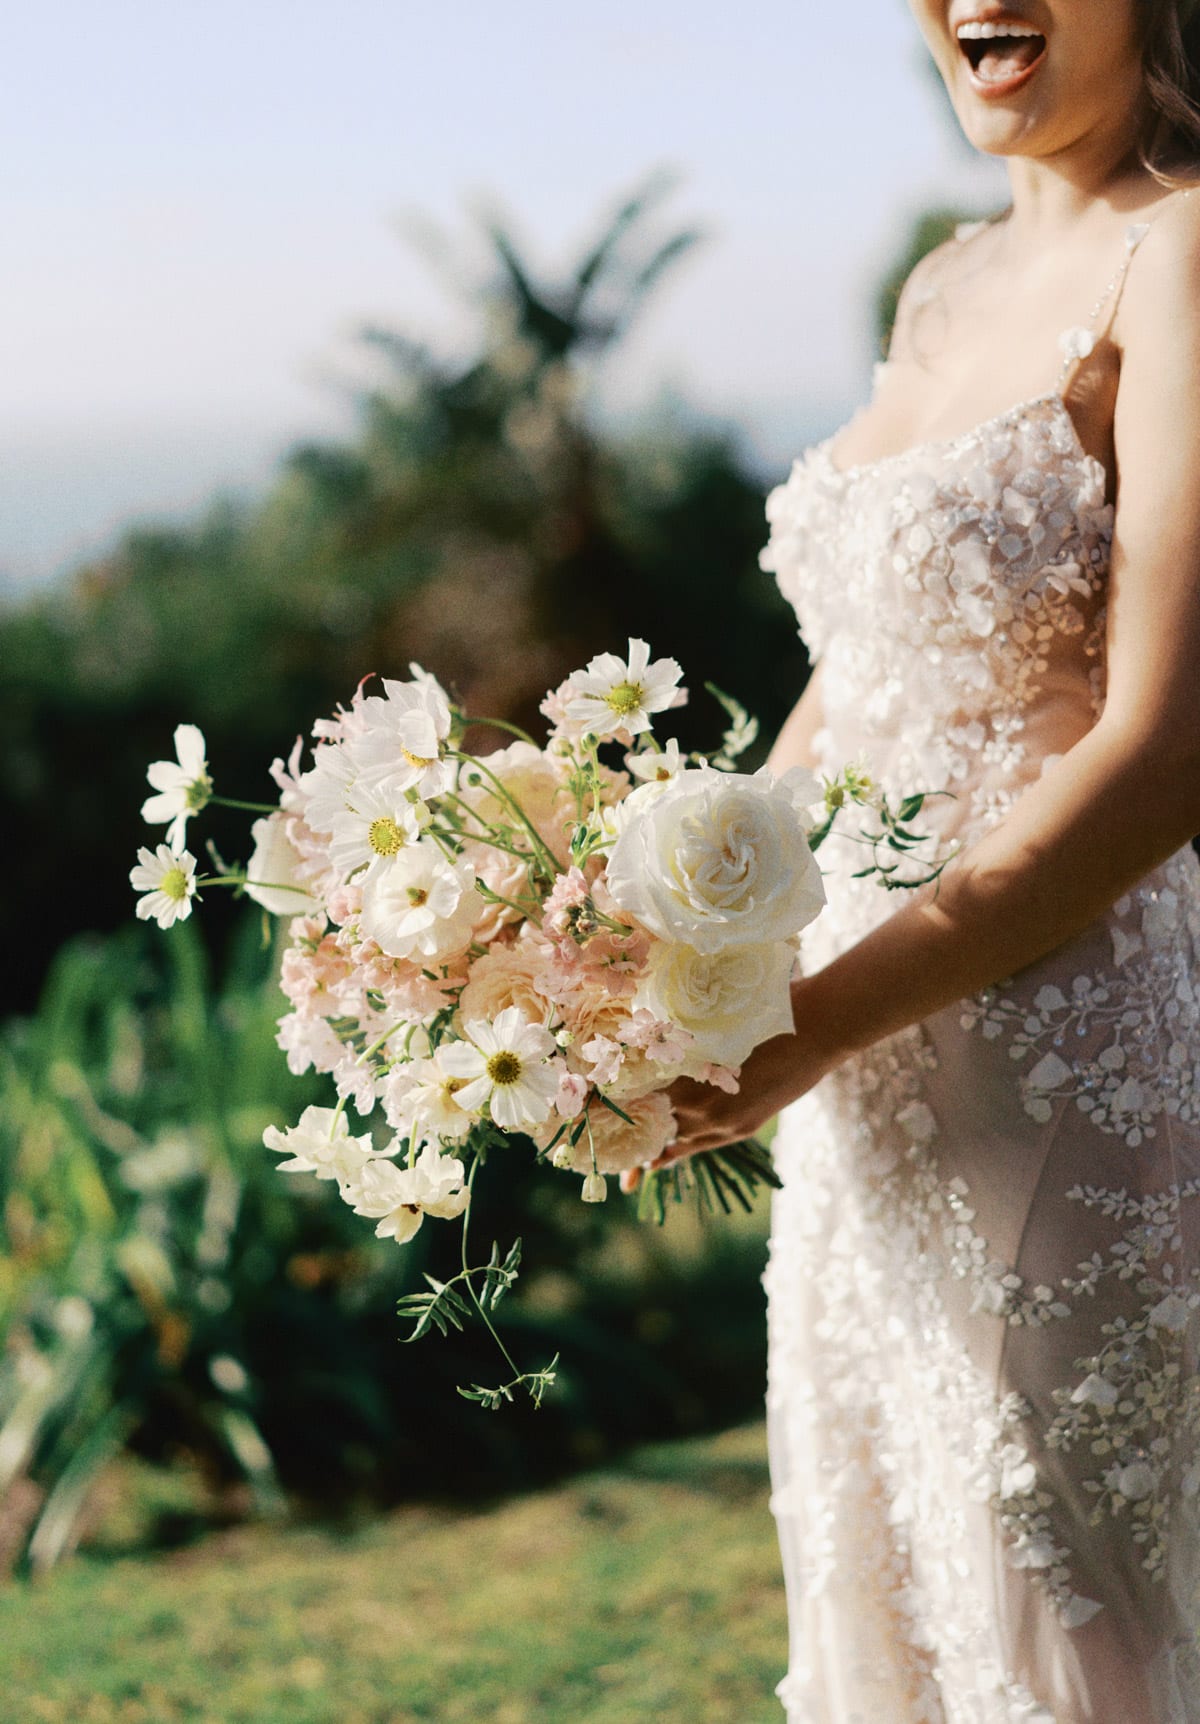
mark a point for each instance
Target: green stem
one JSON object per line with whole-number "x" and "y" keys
{"x": 249, "y": 807}
{"x": 545, "y": 854}
{"x": 467, "y": 1274}
{"x": 503, "y": 724}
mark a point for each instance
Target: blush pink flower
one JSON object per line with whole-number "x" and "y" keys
{"x": 619, "y": 1146}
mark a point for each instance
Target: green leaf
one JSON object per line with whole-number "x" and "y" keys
{"x": 741, "y": 734}
{"x": 613, "y": 1108}
{"x": 719, "y": 1178}
{"x": 500, "y": 1277}
{"x": 821, "y": 832}
{"x": 443, "y": 1308}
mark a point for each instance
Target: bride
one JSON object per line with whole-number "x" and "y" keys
{"x": 984, "y": 1283}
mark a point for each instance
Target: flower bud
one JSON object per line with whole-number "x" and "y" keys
{"x": 595, "y": 1188}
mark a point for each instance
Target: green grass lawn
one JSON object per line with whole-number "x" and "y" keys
{"x": 649, "y": 1591}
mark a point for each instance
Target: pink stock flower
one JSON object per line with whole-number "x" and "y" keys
{"x": 344, "y": 904}
{"x": 569, "y": 894}
{"x": 658, "y": 1038}
{"x": 310, "y": 974}
{"x": 721, "y": 1077}
{"x": 605, "y": 1057}
{"x": 572, "y": 1093}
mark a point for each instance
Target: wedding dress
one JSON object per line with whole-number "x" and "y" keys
{"x": 984, "y": 1279}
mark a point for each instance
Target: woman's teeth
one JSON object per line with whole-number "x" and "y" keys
{"x": 989, "y": 32}
{"x": 998, "y": 52}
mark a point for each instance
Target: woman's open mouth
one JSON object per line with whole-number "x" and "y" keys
{"x": 1001, "y": 56}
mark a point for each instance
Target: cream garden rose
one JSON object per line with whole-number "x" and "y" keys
{"x": 718, "y": 859}
{"x": 728, "y": 1001}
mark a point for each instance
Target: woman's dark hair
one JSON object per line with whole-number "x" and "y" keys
{"x": 1171, "y": 58}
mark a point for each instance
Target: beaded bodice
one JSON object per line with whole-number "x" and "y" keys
{"x": 955, "y": 595}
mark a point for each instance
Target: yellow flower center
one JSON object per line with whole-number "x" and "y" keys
{"x": 417, "y": 759}
{"x": 174, "y": 884}
{"x": 504, "y": 1069}
{"x": 452, "y": 1085}
{"x": 625, "y": 697}
{"x": 384, "y": 836}
{"x": 417, "y": 895}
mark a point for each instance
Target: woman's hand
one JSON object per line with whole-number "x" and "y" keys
{"x": 778, "y": 1072}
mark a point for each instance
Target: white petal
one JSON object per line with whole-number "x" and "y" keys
{"x": 166, "y": 775}
{"x": 189, "y": 746}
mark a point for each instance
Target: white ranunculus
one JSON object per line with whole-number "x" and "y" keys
{"x": 272, "y": 873}
{"x": 421, "y": 904}
{"x": 717, "y": 859}
{"x": 399, "y": 1198}
{"x": 320, "y": 1143}
{"x": 729, "y": 1001}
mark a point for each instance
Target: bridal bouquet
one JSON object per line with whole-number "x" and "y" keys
{"x": 536, "y": 941}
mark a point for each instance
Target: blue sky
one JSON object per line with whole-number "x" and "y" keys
{"x": 202, "y": 202}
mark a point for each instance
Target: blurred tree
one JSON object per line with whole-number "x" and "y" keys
{"x": 481, "y": 521}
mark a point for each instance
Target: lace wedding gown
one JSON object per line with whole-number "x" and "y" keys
{"x": 984, "y": 1281}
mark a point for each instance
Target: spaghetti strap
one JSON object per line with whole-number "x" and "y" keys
{"x": 1078, "y": 343}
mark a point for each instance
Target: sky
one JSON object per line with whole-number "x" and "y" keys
{"x": 202, "y": 204}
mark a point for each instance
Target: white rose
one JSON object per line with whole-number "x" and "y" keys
{"x": 717, "y": 859}
{"x": 273, "y": 870}
{"x": 729, "y": 1001}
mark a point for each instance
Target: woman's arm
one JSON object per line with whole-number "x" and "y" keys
{"x": 794, "y": 744}
{"x": 1122, "y": 800}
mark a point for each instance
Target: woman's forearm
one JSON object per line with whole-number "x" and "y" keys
{"x": 1076, "y": 841}
{"x": 794, "y": 744}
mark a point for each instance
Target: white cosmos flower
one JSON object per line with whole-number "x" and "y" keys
{"x": 183, "y": 785}
{"x": 168, "y": 879}
{"x": 404, "y": 729}
{"x": 427, "y": 1107}
{"x": 399, "y": 1198}
{"x": 320, "y": 1143}
{"x": 325, "y": 787}
{"x": 375, "y": 824}
{"x": 509, "y": 1067}
{"x": 272, "y": 873}
{"x": 656, "y": 765}
{"x": 614, "y": 695}
{"x": 422, "y": 903}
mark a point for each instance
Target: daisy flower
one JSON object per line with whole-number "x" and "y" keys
{"x": 167, "y": 878}
{"x": 375, "y": 824}
{"x": 509, "y": 1068}
{"x": 404, "y": 731}
{"x": 183, "y": 785}
{"x": 613, "y": 695}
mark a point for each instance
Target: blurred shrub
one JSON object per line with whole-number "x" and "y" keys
{"x": 480, "y": 521}
{"x": 165, "y": 1287}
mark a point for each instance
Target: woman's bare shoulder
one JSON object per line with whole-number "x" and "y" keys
{"x": 1161, "y": 298}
